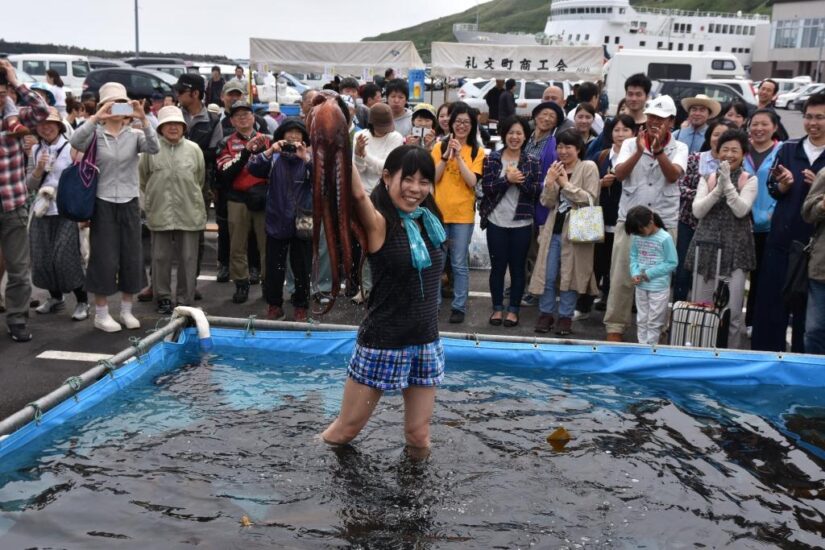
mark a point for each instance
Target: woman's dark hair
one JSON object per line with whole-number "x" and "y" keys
{"x": 733, "y": 135}
{"x": 73, "y": 105}
{"x": 459, "y": 108}
{"x": 56, "y": 80}
{"x": 505, "y": 125}
{"x": 771, "y": 115}
{"x": 740, "y": 108}
{"x": 586, "y": 107}
{"x": 639, "y": 217}
{"x": 712, "y": 125}
{"x": 409, "y": 159}
{"x": 626, "y": 120}
{"x": 619, "y": 106}
{"x": 438, "y": 131}
{"x": 571, "y": 137}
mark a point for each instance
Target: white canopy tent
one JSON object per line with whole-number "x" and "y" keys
{"x": 532, "y": 62}
{"x": 334, "y": 57}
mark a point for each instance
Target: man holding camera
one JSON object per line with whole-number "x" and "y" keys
{"x": 245, "y": 193}
{"x": 14, "y": 240}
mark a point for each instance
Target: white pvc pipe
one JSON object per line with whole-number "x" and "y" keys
{"x": 197, "y": 315}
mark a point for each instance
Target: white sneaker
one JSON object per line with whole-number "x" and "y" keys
{"x": 129, "y": 321}
{"x": 358, "y": 299}
{"x": 52, "y": 305}
{"x": 581, "y": 316}
{"x": 81, "y": 312}
{"x": 107, "y": 324}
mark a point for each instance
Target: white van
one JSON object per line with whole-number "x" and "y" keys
{"x": 788, "y": 84}
{"x": 666, "y": 64}
{"x": 72, "y": 69}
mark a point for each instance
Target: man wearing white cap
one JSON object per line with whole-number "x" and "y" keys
{"x": 700, "y": 109}
{"x": 172, "y": 182}
{"x": 649, "y": 167}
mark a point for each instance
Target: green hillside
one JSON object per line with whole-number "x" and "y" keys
{"x": 530, "y": 16}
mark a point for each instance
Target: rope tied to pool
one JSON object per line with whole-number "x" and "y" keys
{"x": 74, "y": 382}
{"x": 137, "y": 343}
{"x": 109, "y": 366}
{"x": 250, "y": 325}
{"x": 38, "y": 412}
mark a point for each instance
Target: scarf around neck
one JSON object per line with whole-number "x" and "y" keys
{"x": 418, "y": 249}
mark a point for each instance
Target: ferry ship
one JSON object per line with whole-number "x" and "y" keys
{"x": 615, "y": 24}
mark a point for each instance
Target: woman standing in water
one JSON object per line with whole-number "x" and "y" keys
{"x": 397, "y": 345}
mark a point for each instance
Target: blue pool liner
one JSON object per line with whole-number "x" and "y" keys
{"x": 686, "y": 364}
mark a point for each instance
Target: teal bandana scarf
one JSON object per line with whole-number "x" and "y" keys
{"x": 435, "y": 231}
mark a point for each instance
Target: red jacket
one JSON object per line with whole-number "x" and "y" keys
{"x": 233, "y": 175}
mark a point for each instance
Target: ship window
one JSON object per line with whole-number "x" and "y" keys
{"x": 610, "y": 10}
{"x": 724, "y": 29}
{"x": 690, "y": 47}
{"x": 658, "y": 71}
{"x": 676, "y": 27}
{"x": 579, "y": 10}
{"x": 578, "y": 37}
{"x": 621, "y": 10}
{"x": 701, "y": 47}
{"x": 616, "y": 40}
{"x": 642, "y": 43}
{"x": 569, "y": 37}
{"x": 689, "y": 27}
{"x": 643, "y": 24}
{"x": 670, "y": 45}
{"x": 634, "y": 23}
{"x": 712, "y": 27}
{"x": 738, "y": 29}
{"x": 722, "y": 64}
{"x": 658, "y": 45}
{"x": 747, "y": 50}
{"x": 753, "y": 30}
{"x": 681, "y": 47}
{"x": 607, "y": 40}
{"x": 587, "y": 37}
{"x": 717, "y": 49}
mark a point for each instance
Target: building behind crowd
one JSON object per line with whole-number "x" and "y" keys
{"x": 790, "y": 46}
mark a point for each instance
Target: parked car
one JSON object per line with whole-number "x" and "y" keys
{"x": 743, "y": 86}
{"x": 139, "y": 83}
{"x": 799, "y": 101}
{"x": 471, "y": 88}
{"x": 783, "y": 100}
{"x": 527, "y": 93}
{"x": 71, "y": 68}
{"x": 106, "y": 63}
{"x": 268, "y": 88}
{"x": 292, "y": 81}
{"x": 681, "y": 89}
{"x": 140, "y": 61}
{"x": 172, "y": 69}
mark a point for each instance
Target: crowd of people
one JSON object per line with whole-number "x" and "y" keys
{"x": 727, "y": 179}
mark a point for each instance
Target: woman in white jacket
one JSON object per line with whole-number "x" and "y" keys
{"x": 371, "y": 148}
{"x": 722, "y": 205}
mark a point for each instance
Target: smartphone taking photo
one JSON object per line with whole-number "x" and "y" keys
{"x": 122, "y": 109}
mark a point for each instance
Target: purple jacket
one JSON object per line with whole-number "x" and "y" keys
{"x": 289, "y": 187}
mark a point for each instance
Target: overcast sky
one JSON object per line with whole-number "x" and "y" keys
{"x": 196, "y": 27}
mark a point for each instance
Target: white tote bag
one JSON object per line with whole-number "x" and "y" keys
{"x": 586, "y": 224}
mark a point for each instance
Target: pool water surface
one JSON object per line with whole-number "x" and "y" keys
{"x": 183, "y": 455}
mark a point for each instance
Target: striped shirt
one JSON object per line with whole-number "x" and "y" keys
{"x": 13, "y": 190}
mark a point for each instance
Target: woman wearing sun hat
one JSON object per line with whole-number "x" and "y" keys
{"x": 115, "y": 259}
{"x": 172, "y": 184}
{"x": 54, "y": 240}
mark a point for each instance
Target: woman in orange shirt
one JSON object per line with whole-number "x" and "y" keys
{"x": 459, "y": 163}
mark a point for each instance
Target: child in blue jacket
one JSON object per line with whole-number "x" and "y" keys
{"x": 652, "y": 261}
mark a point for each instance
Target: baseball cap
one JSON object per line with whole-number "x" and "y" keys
{"x": 188, "y": 82}
{"x": 233, "y": 86}
{"x": 238, "y": 106}
{"x": 661, "y": 106}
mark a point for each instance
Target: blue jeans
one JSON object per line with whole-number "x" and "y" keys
{"x": 684, "y": 273}
{"x": 815, "y": 318}
{"x": 567, "y": 298}
{"x": 458, "y": 236}
{"x": 508, "y": 250}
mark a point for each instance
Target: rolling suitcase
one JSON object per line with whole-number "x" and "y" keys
{"x": 698, "y": 324}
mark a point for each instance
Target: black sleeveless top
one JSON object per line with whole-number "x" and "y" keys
{"x": 397, "y": 314}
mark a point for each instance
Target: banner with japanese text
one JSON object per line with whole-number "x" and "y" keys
{"x": 517, "y": 61}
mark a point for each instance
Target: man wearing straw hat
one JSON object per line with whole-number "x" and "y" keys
{"x": 700, "y": 109}
{"x": 172, "y": 182}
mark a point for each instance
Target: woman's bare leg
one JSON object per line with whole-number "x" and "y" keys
{"x": 419, "y": 402}
{"x": 356, "y": 408}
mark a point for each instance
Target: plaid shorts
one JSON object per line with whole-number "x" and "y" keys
{"x": 396, "y": 369}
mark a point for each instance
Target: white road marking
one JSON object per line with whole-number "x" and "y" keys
{"x": 74, "y": 356}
